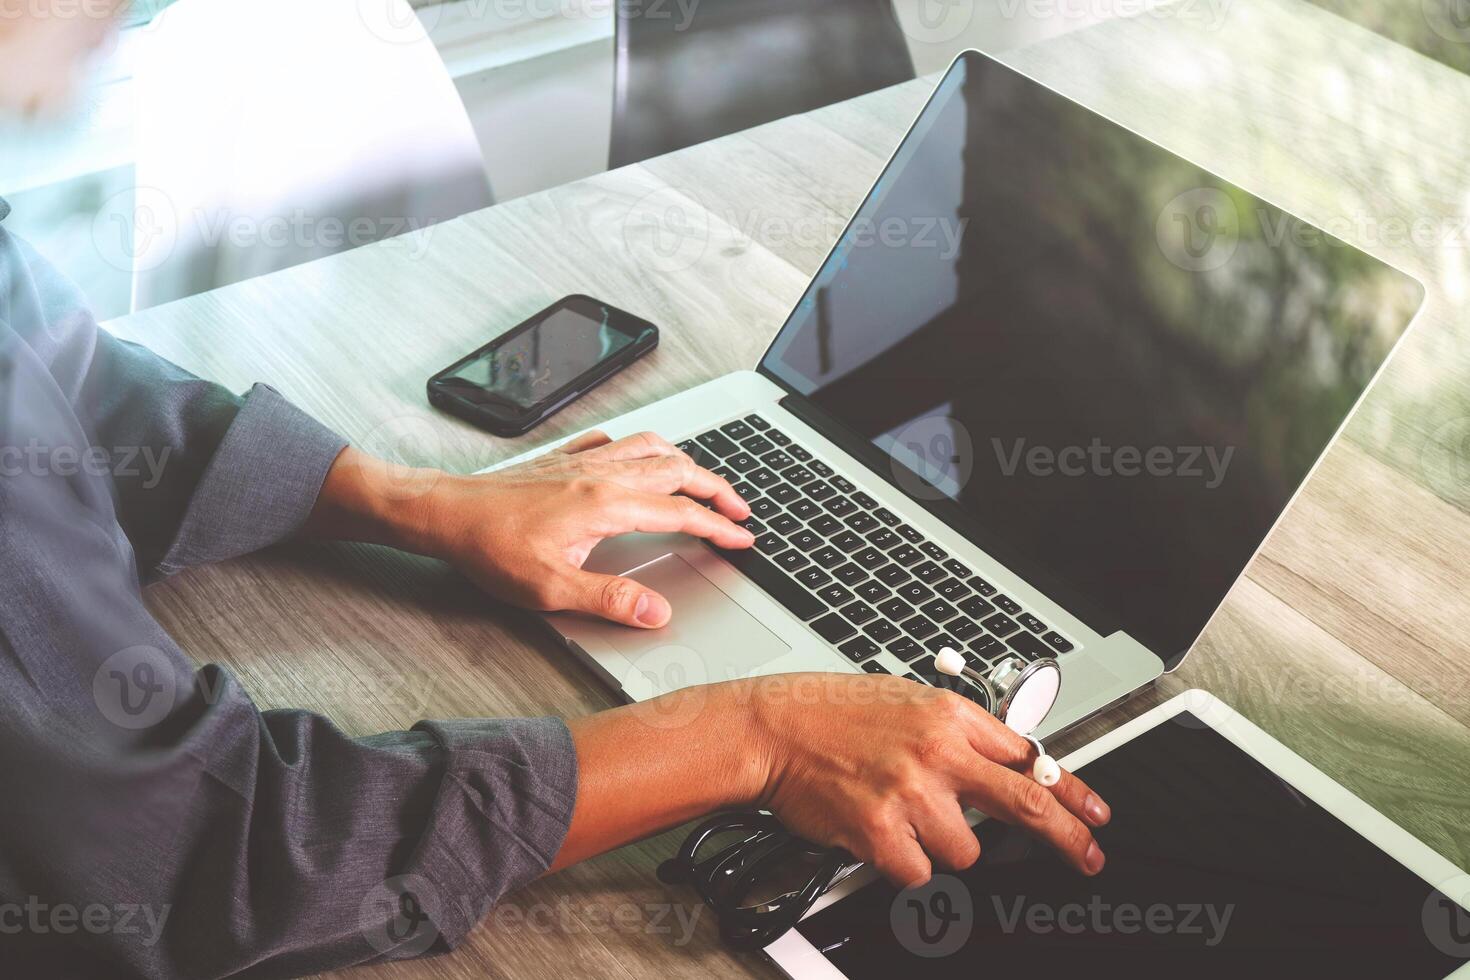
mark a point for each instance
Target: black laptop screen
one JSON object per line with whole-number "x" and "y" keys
{"x": 1105, "y": 366}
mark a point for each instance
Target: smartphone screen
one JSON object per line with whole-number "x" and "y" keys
{"x": 543, "y": 356}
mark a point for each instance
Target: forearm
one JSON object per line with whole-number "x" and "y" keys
{"x": 370, "y": 500}
{"x": 647, "y": 767}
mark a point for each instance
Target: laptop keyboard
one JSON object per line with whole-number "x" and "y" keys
{"x": 859, "y": 576}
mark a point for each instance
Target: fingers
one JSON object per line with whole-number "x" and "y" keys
{"x": 584, "y": 442}
{"x": 947, "y": 836}
{"x": 992, "y": 739}
{"x": 1016, "y": 799}
{"x": 640, "y": 446}
{"x": 679, "y": 474}
{"x": 651, "y": 513}
{"x": 898, "y": 857}
{"x": 618, "y": 599}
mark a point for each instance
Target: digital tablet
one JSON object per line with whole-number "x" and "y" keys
{"x": 1229, "y": 856}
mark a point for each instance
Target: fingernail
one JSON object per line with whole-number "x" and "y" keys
{"x": 651, "y": 610}
{"x": 1097, "y": 811}
{"x": 1094, "y": 860}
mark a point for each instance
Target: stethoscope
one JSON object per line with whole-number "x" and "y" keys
{"x": 755, "y": 848}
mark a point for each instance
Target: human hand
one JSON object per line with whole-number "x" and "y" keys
{"x": 884, "y": 767}
{"x": 523, "y": 533}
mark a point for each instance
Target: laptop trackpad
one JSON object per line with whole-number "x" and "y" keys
{"x": 711, "y": 637}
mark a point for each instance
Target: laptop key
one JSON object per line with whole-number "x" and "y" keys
{"x": 895, "y": 608}
{"x": 928, "y": 572}
{"x": 883, "y": 538}
{"x": 798, "y": 475}
{"x": 743, "y": 490}
{"x": 778, "y": 460}
{"x": 792, "y": 560}
{"x": 870, "y": 558}
{"x": 863, "y": 500}
{"x": 957, "y": 569}
{"x": 758, "y": 445}
{"x": 802, "y": 456}
{"x": 805, "y": 540}
{"x": 880, "y": 631}
{"x": 778, "y": 437}
{"x": 1058, "y": 642}
{"x": 717, "y": 444}
{"x": 847, "y": 541}
{"x": 1006, "y": 604}
{"x": 915, "y": 592}
{"x": 919, "y": 627}
{"x": 742, "y": 462}
{"x": 819, "y": 490}
{"x": 905, "y": 555}
{"x": 909, "y": 534}
{"x": 840, "y": 506}
{"x": 933, "y": 551}
{"x": 874, "y": 667}
{"x": 952, "y": 589}
{"x": 820, "y": 468}
{"x": 859, "y": 612}
{"x": 981, "y": 586}
{"x": 785, "y": 524}
{"x": 887, "y": 516}
{"x": 757, "y": 423}
{"x": 828, "y": 556}
{"x": 737, "y": 430}
{"x": 763, "y": 478}
{"x": 764, "y": 507}
{"x": 987, "y": 647}
{"x": 873, "y": 592}
{"x": 906, "y": 648}
{"x": 777, "y": 584}
{"x": 891, "y": 575}
{"x": 849, "y": 574}
{"x": 963, "y": 629}
{"x": 769, "y": 543}
{"x": 976, "y": 607}
{"x": 940, "y": 641}
{"x": 753, "y": 526}
{"x": 1028, "y": 646}
{"x": 826, "y": 525}
{"x": 835, "y": 595}
{"x": 833, "y": 628}
{"x": 938, "y": 610}
{"x": 804, "y": 509}
{"x": 781, "y": 493}
{"x": 843, "y": 484}
{"x": 859, "y": 649}
{"x": 1001, "y": 625}
{"x": 862, "y": 523}
{"x": 813, "y": 578}
{"x": 1031, "y": 623}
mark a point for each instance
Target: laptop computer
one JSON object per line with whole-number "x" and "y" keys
{"x": 1046, "y": 397}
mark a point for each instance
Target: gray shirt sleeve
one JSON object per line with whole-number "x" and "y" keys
{"x": 156, "y": 823}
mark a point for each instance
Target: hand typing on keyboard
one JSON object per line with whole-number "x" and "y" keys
{"x": 524, "y": 533}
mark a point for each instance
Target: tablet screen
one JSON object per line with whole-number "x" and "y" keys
{"x": 1216, "y": 868}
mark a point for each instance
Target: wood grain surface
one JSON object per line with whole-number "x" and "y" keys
{"x": 1346, "y": 640}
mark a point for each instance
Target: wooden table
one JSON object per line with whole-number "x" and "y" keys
{"x": 1347, "y": 638}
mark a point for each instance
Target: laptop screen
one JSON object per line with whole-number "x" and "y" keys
{"x": 1105, "y": 366}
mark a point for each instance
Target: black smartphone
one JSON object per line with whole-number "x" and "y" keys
{"x": 523, "y": 377}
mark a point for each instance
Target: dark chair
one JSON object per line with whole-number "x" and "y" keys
{"x": 740, "y": 63}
